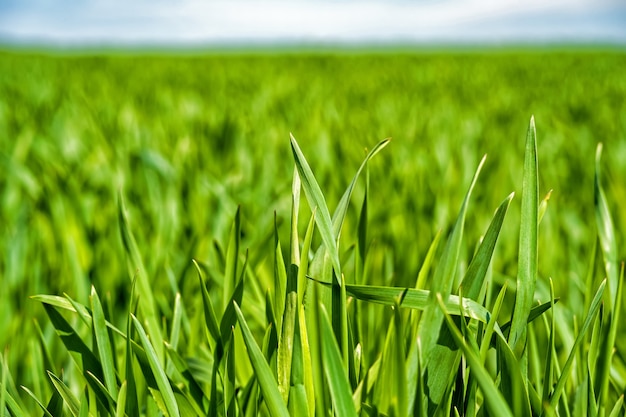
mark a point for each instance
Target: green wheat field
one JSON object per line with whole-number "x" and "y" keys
{"x": 313, "y": 233}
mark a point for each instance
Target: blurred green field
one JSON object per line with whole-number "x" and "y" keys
{"x": 188, "y": 138}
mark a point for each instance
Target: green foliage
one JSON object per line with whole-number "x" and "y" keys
{"x": 150, "y": 212}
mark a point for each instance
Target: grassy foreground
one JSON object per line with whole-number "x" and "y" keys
{"x": 168, "y": 250}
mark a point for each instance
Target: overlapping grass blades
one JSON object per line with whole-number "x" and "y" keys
{"x": 437, "y": 348}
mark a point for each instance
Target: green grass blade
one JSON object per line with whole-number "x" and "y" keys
{"x": 211, "y": 327}
{"x": 527, "y": 263}
{"x": 12, "y": 402}
{"x": 294, "y": 243}
{"x": 336, "y": 377}
{"x": 361, "y": 242}
{"x": 177, "y": 321}
{"x": 512, "y": 383}
{"x": 304, "y": 261}
{"x": 314, "y": 335}
{"x": 591, "y": 316}
{"x": 606, "y": 233}
{"x": 68, "y": 397}
{"x": 264, "y": 375}
{"x": 120, "y": 409}
{"x": 232, "y": 257}
{"x": 39, "y": 403}
{"x": 419, "y": 403}
{"x": 102, "y": 390}
{"x": 489, "y": 329}
{"x": 548, "y": 372}
{"x": 105, "y": 351}
{"x": 137, "y": 269}
{"x": 618, "y": 408}
{"x": 3, "y": 384}
{"x": 416, "y": 299}
{"x": 286, "y": 340}
{"x": 317, "y": 201}
{"x": 298, "y": 399}
{"x": 608, "y": 244}
{"x": 391, "y": 393}
{"x": 493, "y": 398}
{"x": 162, "y": 381}
{"x": 280, "y": 279}
{"x": 68, "y": 304}
{"x": 535, "y": 312}
{"x": 229, "y": 319}
{"x": 73, "y": 342}
{"x": 342, "y": 207}
{"x": 609, "y": 332}
{"x": 195, "y": 389}
{"x": 543, "y": 207}
{"x": 307, "y": 362}
{"x": 132, "y": 402}
{"x": 474, "y": 278}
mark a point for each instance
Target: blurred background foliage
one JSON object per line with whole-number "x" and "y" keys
{"x": 188, "y": 138}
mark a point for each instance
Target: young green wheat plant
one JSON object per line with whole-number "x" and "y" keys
{"x": 320, "y": 339}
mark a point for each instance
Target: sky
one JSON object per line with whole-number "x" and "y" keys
{"x": 195, "y": 22}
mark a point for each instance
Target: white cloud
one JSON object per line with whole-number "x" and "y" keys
{"x": 301, "y": 20}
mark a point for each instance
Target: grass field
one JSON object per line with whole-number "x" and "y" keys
{"x": 125, "y": 168}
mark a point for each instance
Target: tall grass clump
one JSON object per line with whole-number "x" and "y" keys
{"x": 323, "y": 333}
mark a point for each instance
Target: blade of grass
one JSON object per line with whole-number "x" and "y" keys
{"x": 527, "y": 264}
{"x": 489, "y": 329}
{"x": 317, "y": 201}
{"x": 294, "y": 243}
{"x": 162, "y": 381}
{"x": 307, "y": 363}
{"x": 195, "y": 389}
{"x": 280, "y": 279}
{"x": 342, "y": 207}
{"x": 591, "y": 316}
{"x": 132, "y": 401}
{"x": 608, "y": 244}
{"x": 211, "y": 327}
{"x": 391, "y": 395}
{"x": 512, "y": 383}
{"x": 304, "y": 261}
{"x": 229, "y": 318}
{"x": 67, "y": 304}
{"x": 298, "y": 402}
{"x": 548, "y": 372}
{"x": 68, "y": 397}
{"x": 606, "y": 233}
{"x": 286, "y": 339}
{"x": 103, "y": 342}
{"x": 73, "y": 343}
{"x": 264, "y": 374}
{"x": 618, "y": 407}
{"x": 338, "y": 383}
{"x": 232, "y": 256}
{"x": 121, "y": 401}
{"x": 39, "y": 403}
{"x": 137, "y": 270}
{"x": 99, "y": 387}
{"x": 604, "y": 364}
{"x": 415, "y": 299}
